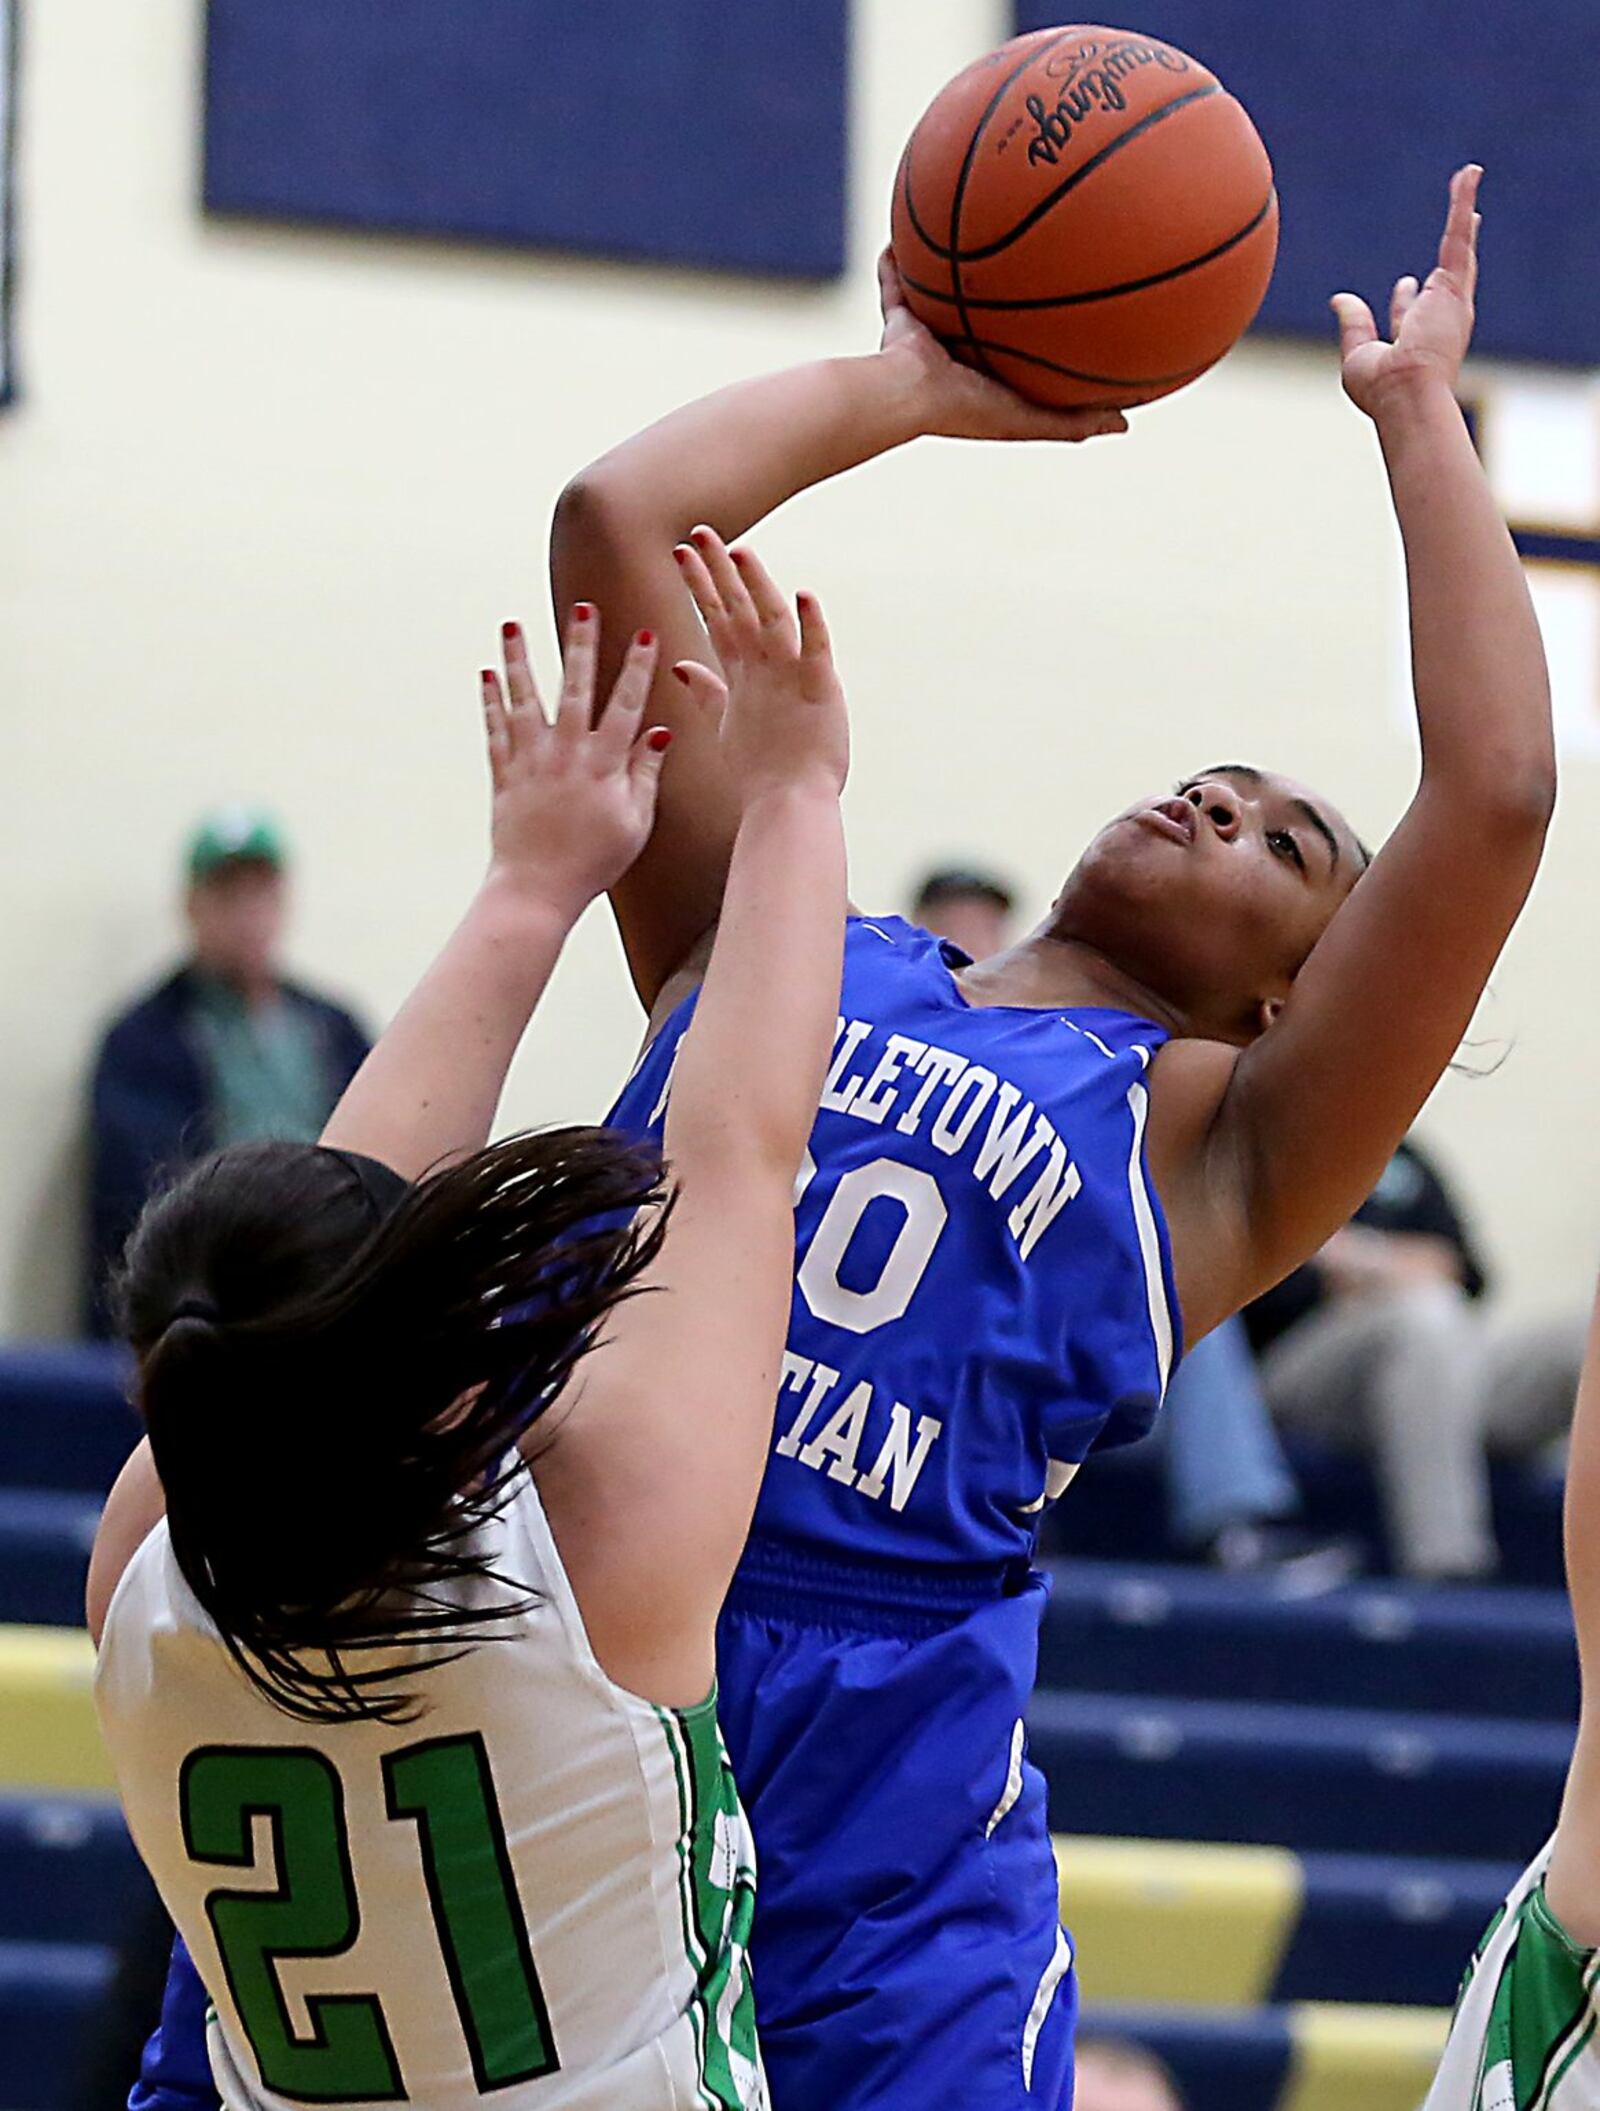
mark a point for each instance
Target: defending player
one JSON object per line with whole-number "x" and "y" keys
{"x": 1021, "y": 1172}
{"x": 1526, "y": 2035}
{"x": 406, "y": 1607}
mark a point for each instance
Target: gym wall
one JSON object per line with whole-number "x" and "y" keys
{"x": 270, "y": 490}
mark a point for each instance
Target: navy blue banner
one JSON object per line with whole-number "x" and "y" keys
{"x": 692, "y": 133}
{"x": 1366, "y": 108}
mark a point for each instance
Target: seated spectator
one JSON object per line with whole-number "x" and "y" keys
{"x": 222, "y": 1050}
{"x": 1386, "y": 1341}
{"x": 1115, "y": 2075}
{"x": 1229, "y": 1489}
{"x": 970, "y": 908}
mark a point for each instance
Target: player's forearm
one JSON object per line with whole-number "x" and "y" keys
{"x": 431, "y": 1086}
{"x": 732, "y": 458}
{"x": 1482, "y": 691}
{"x": 752, "y": 1066}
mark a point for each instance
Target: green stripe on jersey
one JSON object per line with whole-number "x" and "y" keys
{"x": 717, "y": 1894}
{"x": 1542, "y": 2020}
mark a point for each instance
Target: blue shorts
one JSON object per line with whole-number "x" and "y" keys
{"x": 907, "y": 1950}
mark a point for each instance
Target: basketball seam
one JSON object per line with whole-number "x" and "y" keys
{"x": 959, "y": 198}
{"x": 1095, "y": 161}
{"x": 983, "y": 346}
{"x": 912, "y": 214}
{"x": 1106, "y": 293}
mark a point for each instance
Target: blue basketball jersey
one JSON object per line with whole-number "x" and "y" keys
{"x": 983, "y": 1287}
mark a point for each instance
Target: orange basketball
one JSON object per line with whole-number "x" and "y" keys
{"x": 1088, "y": 215}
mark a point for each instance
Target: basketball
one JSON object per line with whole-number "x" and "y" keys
{"x": 1087, "y": 215}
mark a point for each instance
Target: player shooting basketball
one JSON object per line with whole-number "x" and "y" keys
{"x": 1161, "y": 1101}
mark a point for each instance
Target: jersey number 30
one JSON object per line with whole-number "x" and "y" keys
{"x": 443, "y": 1788}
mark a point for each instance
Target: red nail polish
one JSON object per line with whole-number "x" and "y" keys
{"x": 680, "y": 675}
{"x": 583, "y": 611}
{"x": 680, "y": 552}
{"x": 487, "y": 677}
{"x": 659, "y": 740}
{"x": 508, "y": 630}
{"x": 646, "y": 637}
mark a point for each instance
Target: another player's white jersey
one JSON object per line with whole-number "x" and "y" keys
{"x": 1525, "y": 2031}
{"x": 540, "y": 1891}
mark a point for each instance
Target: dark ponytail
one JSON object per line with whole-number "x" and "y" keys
{"x": 334, "y": 1388}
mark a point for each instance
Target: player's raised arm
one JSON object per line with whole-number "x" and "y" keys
{"x": 572, "y": 803}
{"x": 570, "y": 808}
{"x": 728, "y": 461}
{"x": 1316, "y": 1106}
{"x": 1573, "y": 1884}
{"x": 651, "y": 1480}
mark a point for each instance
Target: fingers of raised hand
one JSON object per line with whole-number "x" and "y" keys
{"x": 1458, "y": 247}
{"x": 1401, "y": 302}
{"x": 496, "y": 725}
{"x": 707, "y": 690}
{"x": 579, "y": 651}
{"x": 816, "y": 647}
{"x": 644, "y": 772}
{"x": 1356, "y": 324}
{"x": 890, "y": 292}
{"x": 624, "y": 712}
{"x": 767, "y": 605}
{"x": 732, "y": 591}
{"x": 1087, "y": 424}
{"x": 703, "y": 588}
{"x": 521, "y": 687}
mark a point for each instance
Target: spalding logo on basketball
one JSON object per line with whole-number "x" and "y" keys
{"x": 1088, "y": 215}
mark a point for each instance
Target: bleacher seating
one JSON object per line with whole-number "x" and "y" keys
{"x": 1284, "y": 1821}
{"x": 1395, "y": 1753}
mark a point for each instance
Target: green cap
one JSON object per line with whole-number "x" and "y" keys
{"x": 234, "y": 832}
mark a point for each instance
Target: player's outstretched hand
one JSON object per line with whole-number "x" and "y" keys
{"x": 1429, "y": 328}
{"x": 781, "y": 702}
{"x": 959, "y": 404}
{"x": 573, "y": 801}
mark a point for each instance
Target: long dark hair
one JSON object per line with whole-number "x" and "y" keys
{"x": 334, "y": 1371}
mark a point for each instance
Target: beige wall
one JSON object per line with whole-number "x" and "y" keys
{"x": 269, "y": 493}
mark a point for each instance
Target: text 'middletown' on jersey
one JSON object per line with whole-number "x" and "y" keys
{"x": 983, "y": 1287}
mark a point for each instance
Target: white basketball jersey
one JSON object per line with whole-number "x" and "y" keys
{"x": 1526, "y": 2034}
{"x": 538, "y": 1893}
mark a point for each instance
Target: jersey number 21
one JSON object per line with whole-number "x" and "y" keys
{"x": 444, "y": 1788}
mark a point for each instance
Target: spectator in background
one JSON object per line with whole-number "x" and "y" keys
{"x": 970, "y": 908}
{"x": 1385, "y": 1340}
{"x": 1115, "y": 2075}
{"x": 223, "y": 1050}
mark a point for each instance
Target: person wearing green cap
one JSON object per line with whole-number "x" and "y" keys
{"x": 224, "y": 1050}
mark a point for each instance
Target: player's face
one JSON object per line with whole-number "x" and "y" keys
{"x": 1214, "y": 896}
